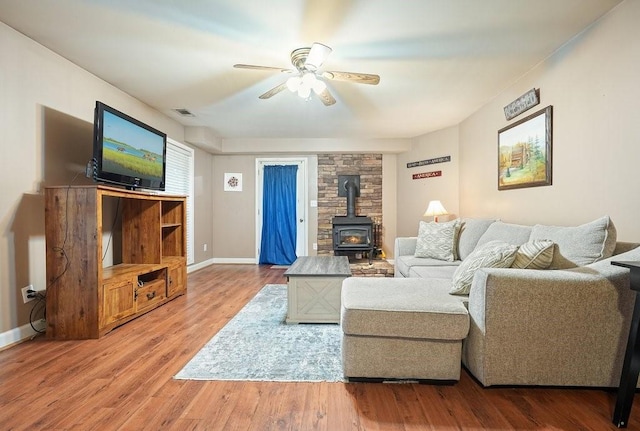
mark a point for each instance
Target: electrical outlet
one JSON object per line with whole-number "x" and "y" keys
{"x": 315, "y": 245}
{"x": 24, "y": 293}
{"x": 204, "y": 247}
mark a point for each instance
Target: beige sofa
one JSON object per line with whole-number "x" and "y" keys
{"x": 563, "y": 326}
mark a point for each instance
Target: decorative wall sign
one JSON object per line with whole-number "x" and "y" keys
{"x": 232, "y": 182}
{"x": 524, "y": 152}
{"x": 527, "y": 101}
{"x": 429, "y": 161}
{"x": 427, "y": 175}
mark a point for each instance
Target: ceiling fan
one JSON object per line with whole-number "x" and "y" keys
{"x": 307, "y": 76}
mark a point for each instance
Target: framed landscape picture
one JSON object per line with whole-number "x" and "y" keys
{"x": 524, "y": 152}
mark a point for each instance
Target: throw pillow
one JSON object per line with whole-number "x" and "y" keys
{"x": 437, "y": 240}
{"x": 471, "y": 229}
{"x": 579, "y": 245}
{"x": 508, "y": 232}
{"x": 494, "y": 254}
{"x": 535, "y": 254}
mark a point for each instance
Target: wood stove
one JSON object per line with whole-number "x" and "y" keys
{"x": 351, "y": 233}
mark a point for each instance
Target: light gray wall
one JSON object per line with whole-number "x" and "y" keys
{"x": 46, "y": 107}
{"x": 415, "y": 194}
{"x": 234, "y": 213}
{"x": 592, "y": 83}
{"x": 203, "y": 206}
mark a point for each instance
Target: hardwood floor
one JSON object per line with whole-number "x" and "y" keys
{"x": 124, "y": 382}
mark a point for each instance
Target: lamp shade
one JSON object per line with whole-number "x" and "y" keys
{"x": 435, "y": 209}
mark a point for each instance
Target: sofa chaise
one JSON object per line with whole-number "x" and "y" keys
{"x": 564, "y": 323}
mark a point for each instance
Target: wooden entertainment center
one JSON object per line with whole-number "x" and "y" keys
{"x": 85, "y": 298}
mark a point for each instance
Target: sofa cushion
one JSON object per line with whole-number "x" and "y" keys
{"x": 429, "y": 272}
{"x": 409, "y": 308}
{"x": 471, "y": 230}
{"x": 404, "y": 264}
{"x": 579, "y": 245}
{"x": 494, "y": 254}
{"x": 506, "y": 232}
{"x": 437, "y": 240}
{"x": 535, "y": 254}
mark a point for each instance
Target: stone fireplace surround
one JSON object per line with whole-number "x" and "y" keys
{"x": 369, "y": 167}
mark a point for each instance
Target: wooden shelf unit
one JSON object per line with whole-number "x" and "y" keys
{"x": 85, "y": 299}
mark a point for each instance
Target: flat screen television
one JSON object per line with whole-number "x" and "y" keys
{"x": 126, "y": 151}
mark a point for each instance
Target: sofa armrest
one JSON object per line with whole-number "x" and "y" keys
{"x": 562, "y": 327}
{"x": 404, "y": 246}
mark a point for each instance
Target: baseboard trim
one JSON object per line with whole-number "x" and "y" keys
{"x": 20, "y": 334}
{"x": 240, "y": 260}
{"x": 199, "y": 265}
{"x": 221, "y": 260}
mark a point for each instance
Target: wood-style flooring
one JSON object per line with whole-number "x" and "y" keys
{"x": 124, "y": 382}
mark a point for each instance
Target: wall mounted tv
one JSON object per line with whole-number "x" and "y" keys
{"x": 126, "y": 151}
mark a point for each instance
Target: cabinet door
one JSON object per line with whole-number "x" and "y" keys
{"x": 118, "y": 301}
{"x": 177, "y": 277}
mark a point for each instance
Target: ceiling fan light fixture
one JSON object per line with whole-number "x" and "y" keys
{"x": 319, "y": 86}
{"x": 317, "y": 55}
{"x": 304, "y": 91}
{"x": 307, "y": 77}
{"x": 293, "y": 83}
{"x": 306, "y": 84}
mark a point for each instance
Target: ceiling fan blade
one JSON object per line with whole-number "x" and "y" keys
{"x": 360, "y": 78}
{"x": 326, "y": 97}
{"x": 317, "y": 55}
{"x": 274, "y": 91}
{"x": 251, "y": 66}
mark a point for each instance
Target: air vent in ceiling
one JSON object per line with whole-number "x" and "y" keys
{"x": 184, "y": 112}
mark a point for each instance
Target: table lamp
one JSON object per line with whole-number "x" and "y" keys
{"x": 435, "y": 209}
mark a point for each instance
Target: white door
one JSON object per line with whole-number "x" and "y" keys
{"x": 301, "y": 200}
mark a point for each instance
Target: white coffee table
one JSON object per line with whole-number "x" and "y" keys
{"x": 314, "y": 287}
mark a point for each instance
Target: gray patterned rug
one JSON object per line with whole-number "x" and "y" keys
{"x": 258, "y": 345}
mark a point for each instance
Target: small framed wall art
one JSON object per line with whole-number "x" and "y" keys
{"x": 524, "y": 152}
{"x": 232, "y": 182}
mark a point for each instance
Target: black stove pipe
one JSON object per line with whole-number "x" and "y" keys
{"x": 350, "y": 186}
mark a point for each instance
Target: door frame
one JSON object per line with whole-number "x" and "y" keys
{"x": 302, "y": 197}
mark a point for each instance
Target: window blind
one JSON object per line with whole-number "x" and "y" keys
{"x": 179, "y": 181}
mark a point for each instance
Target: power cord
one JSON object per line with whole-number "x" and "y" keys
{"x": 39, "y": 308}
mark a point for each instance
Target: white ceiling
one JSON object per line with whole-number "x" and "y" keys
{"x": 439, "y": 60}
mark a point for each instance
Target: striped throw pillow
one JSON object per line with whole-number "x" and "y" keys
{"x": 535, "y": 254}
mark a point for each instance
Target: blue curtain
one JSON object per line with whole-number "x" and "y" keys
{"x": 279, "y": 227}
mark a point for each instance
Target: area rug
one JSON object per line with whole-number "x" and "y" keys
{"x": 258, "y": 345}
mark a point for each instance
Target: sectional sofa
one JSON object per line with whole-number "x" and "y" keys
{"x": 545, "y": 305}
